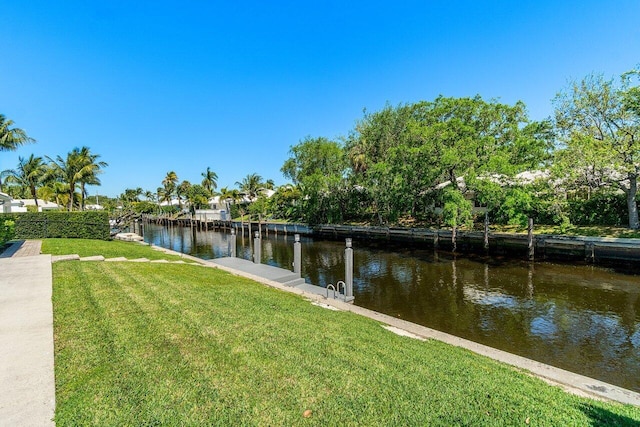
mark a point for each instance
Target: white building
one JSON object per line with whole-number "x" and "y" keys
{"x": 94, "y": 207}
{"x": 7, "y": 204}
{"x": 42, "y": 205}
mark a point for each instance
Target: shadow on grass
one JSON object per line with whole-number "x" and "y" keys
{"x": 602, "y": 417}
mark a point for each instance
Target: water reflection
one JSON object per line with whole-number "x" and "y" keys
{"x": 582, "y": 318}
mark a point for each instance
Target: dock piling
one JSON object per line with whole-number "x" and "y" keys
{"x": 297, "y": 255}
{"x": 348, "y": 269}
{"x": 257, "y": 248}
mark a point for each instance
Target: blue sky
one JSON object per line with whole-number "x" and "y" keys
{"x": 154, "y": 86}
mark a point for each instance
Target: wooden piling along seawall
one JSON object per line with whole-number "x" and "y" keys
{"x": 545, "y": 247}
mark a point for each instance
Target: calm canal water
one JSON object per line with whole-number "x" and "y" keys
{"x": 584, "y": 319}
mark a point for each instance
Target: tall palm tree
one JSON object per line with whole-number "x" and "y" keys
{"x": 163, "y": 195}
{"x": 210, "y": 180}
{"x": 11, "y": 138}
{"x": 169, "y": 183}
{"x": 30, "y": 174}
{"x": 92, "y": 168}
{"x": 79, "y": 167}
{"x": 181, "y": 190}
{"x": 251, "y": 185}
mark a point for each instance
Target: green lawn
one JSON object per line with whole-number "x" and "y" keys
{"x": 108, "y": 249}
{"x": 167, "y": 344}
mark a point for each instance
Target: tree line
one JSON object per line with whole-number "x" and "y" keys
{"x": 63, "y": 180}
{"x": 429, "y": 162}
{"x": 432, "y": 161}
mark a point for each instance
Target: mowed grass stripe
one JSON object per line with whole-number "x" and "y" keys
{"x": 185, "y": 345}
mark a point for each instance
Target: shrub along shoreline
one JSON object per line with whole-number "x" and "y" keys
{"x": 180, "y": 344}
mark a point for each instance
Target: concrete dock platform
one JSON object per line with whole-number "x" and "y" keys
{"x": 276, "y": 274}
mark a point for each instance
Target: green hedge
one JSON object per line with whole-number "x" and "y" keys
{"x": 42, "y": 225}
{"x": 7, "y": 228}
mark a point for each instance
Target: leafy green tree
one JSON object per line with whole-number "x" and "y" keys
{"x": 11, "y": 137}
{"x": 456, "y": 211}
{"x": 131, "y": 195}
{"x": 144, "y": 206}
{"x": 400, "y": 155}
{"x": 285, "y": 203}
{"x": 318, "y": 167}
{"x": 259, "y": 207}
{"x": 209, "y": 180}
{"x": 600, "y": 129}
{"x": 631, "y": 93}
{"x": 197, "y": 196}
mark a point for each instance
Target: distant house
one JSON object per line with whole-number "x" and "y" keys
{"x": 9, "y": 205}
{"x": 94, "y": 207}
{"x": 523, "y": 178}
{"x": 172, "y": 202}
{"x": 42, "y": 205}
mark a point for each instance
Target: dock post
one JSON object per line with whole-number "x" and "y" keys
{"x": 232, "y": 243}
{"x": 256, "y": 248}
{"x": 530, "y": 241}
{"x": 486, "y": 232}
{"x": 348, "y": 269}
{"x": 297, "y": 255}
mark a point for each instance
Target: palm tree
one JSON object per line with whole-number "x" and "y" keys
{"x": 92, "y": 169}
{"x": 163, "y": 196}
{"x": 230, "y": 196}
{"x": 181, "y": 190}
{"x": 4, "y": 179}
{"x": 210, "y": 180}
{"x": 131, "y": 195}
{"x": 169, "y": 183}
{"x": 30, "y": 174}
{"x": 55, "y": 191}
{"x": 11, "y": 138}
{"x": 270, "y": 184}
{"x": 79, "y": 167}
{"x": 251, "y": 186}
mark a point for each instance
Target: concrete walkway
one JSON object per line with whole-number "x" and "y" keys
{"x": 22, "y": 248}
{"x": 27, "y": 385}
